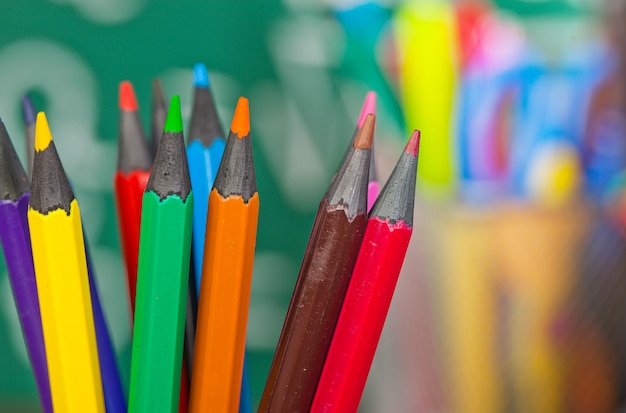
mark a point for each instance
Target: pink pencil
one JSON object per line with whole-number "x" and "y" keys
{"x": 373, "y": 187}
{"x": 371, "y": 288}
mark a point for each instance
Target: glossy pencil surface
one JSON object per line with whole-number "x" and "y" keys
{"x": 371, "y": 288}
{"x": 227, "y": 275}
{"x": 162, "y": 276}
{"x": 15, "y": 240}
{"x": 133, "y": 171}
{"x": 204, "y": 153}
{"x": 324, "y": 275}
{"x": 62, "y": 281}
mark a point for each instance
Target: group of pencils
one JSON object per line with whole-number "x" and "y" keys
{"x": 188, "y": 218}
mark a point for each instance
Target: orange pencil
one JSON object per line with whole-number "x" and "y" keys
{"x": 226, "y": 275}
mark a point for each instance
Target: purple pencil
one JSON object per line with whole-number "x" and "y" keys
{"x": 15, "y": 240}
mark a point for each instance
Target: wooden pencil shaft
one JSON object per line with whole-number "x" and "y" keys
{"x": 161, "y": 298}
{"x": 66, "y": 309}
{"x": 224, "y": 303}
{"x": 313, "y": 311}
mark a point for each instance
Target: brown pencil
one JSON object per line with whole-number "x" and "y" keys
{"x": 326, "y": 267}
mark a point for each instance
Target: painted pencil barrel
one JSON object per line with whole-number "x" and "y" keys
{"x": 362, "y": 317}
{"x": 470, "y": 315}
{"x": 311, "y": 318}
{"x": 224, "y": 303}
{"x": 15, "y": 239}
{"x": 203, "y": 165}
{"x": 129, "y": 190}
{"x": 114, "y": 398}
{"x": 66, "y": 310}
{"x": 164, "y": 253}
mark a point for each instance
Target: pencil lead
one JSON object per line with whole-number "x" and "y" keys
{"x": 43, "y": 137}
{"x": 200, "y": 76}
{"x": 174, "y": 122}
{"x": 29, "y": 114}
{"x": 13, "y": 178}
{"x": 366, "y": 135}
{"x": 127, "y": 99}
{"x": 369, "y": 106}
{"x": 241, "y": 120}
{"x": 413, "y": 145}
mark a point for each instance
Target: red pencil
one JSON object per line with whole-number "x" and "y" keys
{"x": 133, "y": 171}
{"x": 371, "y": 288}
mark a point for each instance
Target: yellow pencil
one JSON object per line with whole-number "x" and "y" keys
{"x": 62, "y": 284}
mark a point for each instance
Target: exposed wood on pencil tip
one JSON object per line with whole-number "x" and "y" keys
{"x": 13, "y": 178}
{"x": 127, "y": 98}
{"x": 43, "y": 137}
{"x": 413, "y": 145}
{"x": 241, "y": 119}
{"x": 366, "y": 135}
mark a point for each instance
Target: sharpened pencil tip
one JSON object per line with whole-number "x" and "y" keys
{"x": 413, "y": 145}
{"x": 366, "y": 135}
{"x": 369, "y": 106}
{"x": 43, "y": 137}
{"x": 29, "y": 114}
{"x": 127, "y": 99}
{"x": 241, "y": 118}
{"x": 200, "y": 76}
{"x": 174, "y": 122}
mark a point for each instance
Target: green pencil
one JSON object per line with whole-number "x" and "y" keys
{"x": 162, "y": 276}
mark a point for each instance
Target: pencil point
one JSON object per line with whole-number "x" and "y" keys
{"x": 413, "y": 145}
{"x": 369, "y": 106}
{"x": 13, "y": 178}
{"x": 174, "y": 122}
{"x": 241, "y": 118}
{"x": 200, "y": 76}
{"x": 366, "y": 135}
{"x": 29, "y": 114}
{"x": 43, "y": 137}
{"x": 127, "y": 99}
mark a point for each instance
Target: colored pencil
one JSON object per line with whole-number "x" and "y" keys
{"x": 158, "y": 114}
{"x": 114, "y": 397}
{"x": 29, "y": 116}
{"x": 373, "y": 186}
{"x": 133, "y": 170}
{"x": 321, "y": 285}
{"x": 369, "y": 106}
{"x": 369, "y": 293}
{"x": 227, "y": 274}
{"x": 155, "y": 375}
{"x": 426, "y": 35}
{"x": 205, "y": 149}
{"x": 62, "y": 282}
{"x": 15, "y": 239}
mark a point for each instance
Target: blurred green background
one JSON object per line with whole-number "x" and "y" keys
{"x": 304, "y": 73}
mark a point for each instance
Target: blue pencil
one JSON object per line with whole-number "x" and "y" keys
{"x": 204, "y": 154}
{"x": 114, "y": 397}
